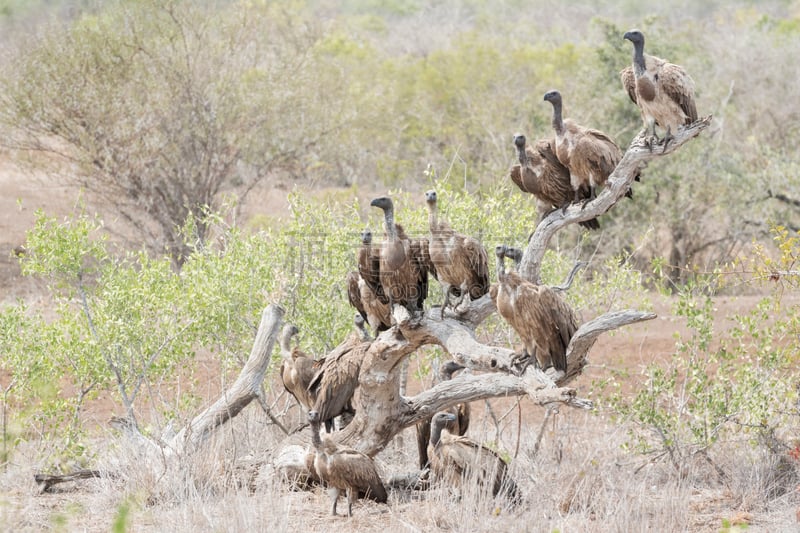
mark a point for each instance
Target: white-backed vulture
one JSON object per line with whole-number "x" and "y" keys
{"x": 663, "y": 91}
{"x": 365, "y": 291}
{"x": 458, "y": 426}
{"x": 541, "y": 174}
{"x": 539, "y": 315}
{"x": 344, "y": 469}
{"x": 590, "y": 155}
{"x": 335, "y": 382}
{"x": 297, "y": 369}
{"x": 457, "y": 460}
{"x": 461, "y": 262}
{"x": 369, "y": 306}
{"x": 403, "y": 265}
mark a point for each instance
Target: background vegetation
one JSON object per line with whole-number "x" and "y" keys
{"x": 173, "y": 115}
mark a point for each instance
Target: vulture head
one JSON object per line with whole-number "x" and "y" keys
{"x": 366, "y": 237}
{"x": 634, "y": 36}
{"x": 289, "y": 331}
{"x": 430, "y": 197}
{"x": 519, "y": 141}
{"x": 438, "y": 422}
{"x": 500, "y": 251}
{"x": 515, "y": 254}
{"x": 313, "y": 417}
{"x": 384, "y": 202}
{"x": 554, "y": 97}
{"x": 448, "y": 369}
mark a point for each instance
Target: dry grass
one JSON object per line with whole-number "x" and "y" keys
{"x": 580, "y": 480}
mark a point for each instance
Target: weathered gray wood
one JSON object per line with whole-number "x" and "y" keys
{"x": 245, "y": 389}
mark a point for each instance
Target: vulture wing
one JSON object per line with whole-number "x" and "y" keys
{"x": 679, "y": 86}
{"x": 628, "y": 79}
{"x": 354, "y": 294}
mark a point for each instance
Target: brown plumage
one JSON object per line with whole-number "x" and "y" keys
{"x": 297, "y": 369}
{"x": 458, "y": 426}
{"x": 344, "y": 469}
{"x": 456, "y": 460}
{"x": 542, "y": 319}
{"x": 590, "y": 155}
{"x": 541, "y": 174}
{"x": 334, "y": 384}
{"x": 368, "y": 304}
{"x": 663, "y": 91}
{"x": 461, "y": 262}
{"x": 403, "y": 270}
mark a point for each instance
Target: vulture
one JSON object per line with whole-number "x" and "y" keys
{"x": 460, "y": 262}
{"x": 541, "y": 174}
{"x": 542, "y": 319}
{"x": 335, "y": 382}
{"x": 369, "y": 306}
{"x": 344, "y": 469}
{"x": 456, "y": 459}
{"x": 458, "y": 426}
{"x": 664, "y": 92}
{"x": 590, "y": 155}
{"x": 404, "y": 263}
{"x": 297, "y": 369}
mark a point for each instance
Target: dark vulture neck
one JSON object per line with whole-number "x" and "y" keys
{"x": 501, "y": 268}
{"x": 388, "y": 216}
{"x": 436, "y": 433}
{"x": 558, "y": 122}
{"x": 316, "y": 440}
{"x": 433, "y": 216}
{"x": 523, "y": 155}
{"x": 639, "y": 65}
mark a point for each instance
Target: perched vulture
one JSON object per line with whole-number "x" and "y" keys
{"x": 458, "y": 426}
{"x": 404, "y": 264}
{"x": 515, "y": 254}
{"x": 542, "y": 319}
{"x": 297, "y": 369}
{"x": 456, "y": 460}
{"x": 461, "y": 262}
{"x": 368, "y": 304}
{"x": 335, "y": 382}
{"x": 590, "y": 155}
{"x": 664, "y": 92}
{"x": 344, "y": 469}
{"x": 541, "y": 174}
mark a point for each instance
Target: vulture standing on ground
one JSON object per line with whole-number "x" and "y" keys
{"x": 461, "y": 262}
{"x": 664, "y": 92}
{"x": 343, "y": 468}
{"x": 335, "y": 382}
{"x": 542, "y": 319}
{"x": 590, "y": 155}
{"x": 457, "y": 427}
{"x": 364, "y": 288}
{"x": 297, "y": 369}
{"x": 541, "y": 174}
{"x": 455, "y": 460}
{"x": 404, "y": 264}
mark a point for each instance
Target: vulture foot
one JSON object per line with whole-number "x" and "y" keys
{"x": 520, "y": 362}
{"x": 668, "y": 138}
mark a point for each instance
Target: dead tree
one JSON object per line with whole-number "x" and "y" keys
{"x": 383, "y": 412}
